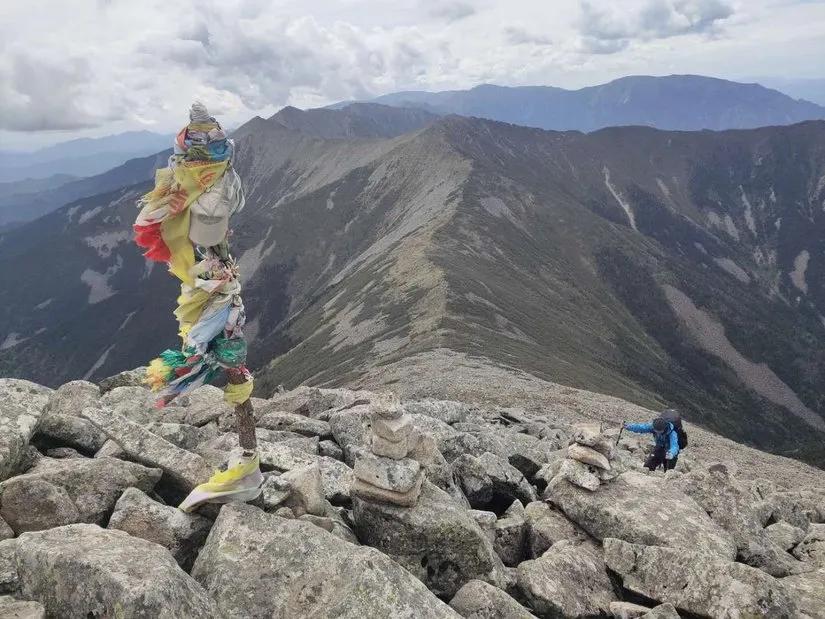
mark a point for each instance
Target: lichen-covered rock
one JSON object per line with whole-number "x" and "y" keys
{"x": 306, "y": 490}
{"x": 258, "y": 565}
{"x": 437, "y": 540}
{"x": 642, "y": 509}
{"x": 698, "y": 582}
{"x": 135, "y": 403}
{"x": 569, "y": 580}
{"x": 785, "y": 535}
{"x": 59, "y": 492}
{"x": 546, "y": 525}
{"x": 510, "y": 535}
{"x": 9, "y": 578}
{"x": 291, "y": 422}
{"x": 480, "y": 600}
{"x": 730, "y": 505}
{"x": 445, "y": 411}
{"x": 797, "y": 507}
{"x": 627, "y": 610}
{"x": 812, "y": 547}
{"x": 183, "y": 469}
{"x": 588, "y": 455}
{"x": 72, "y": 397}
{"x": 22, "y": 406}
{"x": 662, "y": 611}
{"x": 20, "y": 609}
{"x": 580, "y": 474}
{"x": 5, "y": 530}
{"x": 127, "y": 378}
{"x": 808, "y": 591}
{"x": 62, "y": 430}
{"x": 180, "y": 533}
{"x": 81, "y": 570}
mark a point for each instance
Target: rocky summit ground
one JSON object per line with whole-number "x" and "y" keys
{"x": 514, "y": 499}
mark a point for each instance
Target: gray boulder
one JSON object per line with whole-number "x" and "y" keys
{"x": 510, "y": 535}
{"x": 127, "y": 378}
{"x": 730, "y": 505}
{"x": 181, "y": 534}
{"x": 480, "y": 600}
{"x": 183, "y": 470}
{"x": 812, "y": 547}
{"x": 627, "y": 610}
{"x": 797, "y": 507}
{"x": 527, "y": 453}
{"x": 446, "y": 411}
{"x": 9, "y": 578}
{"x": 808, "y": 590}
{"x": 292, "y": 422}
{"x": 490, "y": 482}
{"x": 22, "y": 406}
{"x": 62, "y": 430}
{"x": 437, "y": 540}
{"x": 302, "y": 571}
{"x": 642, "y": 509}
{"x": 569, "y": 580}
{"x": 546, "y": 525}
{"x": 306, "y": 490}
{"x": 205, "y": 405}
{"x": 134, "y": 403}
{"x": 59, "y": 492}
{"x": 11, "y": 608}
{"x": 698, "y": 582}
{"x": 662, "y": 611}
{"x": 72, "y": 397}
{"x": 182, "y": 434}
{"x": 785, "y": 535}
{"x": 5, "y": 530}
{"x": 330, "y": 449}
{"x": 81, "y": 570}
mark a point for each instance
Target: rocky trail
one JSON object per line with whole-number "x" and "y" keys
{"x": 373, "y": 507}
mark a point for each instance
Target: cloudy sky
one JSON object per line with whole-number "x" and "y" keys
{"x": 74, "y": 68}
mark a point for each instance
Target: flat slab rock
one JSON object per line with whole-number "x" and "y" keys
{"x": 260, "y": 565}
{"x": 20, "y": 609}
{"x": 22, "y": 406}
{"x": 699, "y": 583}
{"x": 808, "y": 590}
{"x": 81, "y": 570}
{"x": 642, "y": 509}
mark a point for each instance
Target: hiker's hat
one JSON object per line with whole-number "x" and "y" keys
{"x": 659, "y": 424}
{"x": 209, "y": 216}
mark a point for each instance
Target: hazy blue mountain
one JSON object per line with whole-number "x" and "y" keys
{"x": 678, "y": 102}
{"x": 808, "y": 89}
{"x": 81, "y": 157}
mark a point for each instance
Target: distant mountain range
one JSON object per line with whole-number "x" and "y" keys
{"x": 81, "y": 157}
{"x": 677, "y": 102}
{"x": 679, "y": 268}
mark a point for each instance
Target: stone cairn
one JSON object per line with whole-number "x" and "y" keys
{"x": 383, "y": 472}
{"x": 591, "y": 457}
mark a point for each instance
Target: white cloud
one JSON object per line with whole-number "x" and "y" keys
{"x": 119, "y": 64}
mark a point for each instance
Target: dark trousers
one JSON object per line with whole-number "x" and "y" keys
{"x": 657, "y": 459}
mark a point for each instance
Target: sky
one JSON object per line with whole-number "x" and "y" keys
{"x": 85, "y": 68}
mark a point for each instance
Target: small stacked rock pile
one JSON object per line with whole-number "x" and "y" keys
{"x": 383, "y": 472}
{"x": 590, "y": 457}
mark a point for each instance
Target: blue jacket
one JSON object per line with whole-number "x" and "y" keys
{"x": 667, "y": 439}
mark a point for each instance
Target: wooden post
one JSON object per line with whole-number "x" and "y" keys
{"x": 244, "y": 417}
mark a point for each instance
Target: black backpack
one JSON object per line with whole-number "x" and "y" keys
{"x": 672, "y": 415}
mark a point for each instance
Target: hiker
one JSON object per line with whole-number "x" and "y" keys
{"x": 184, "y": 222}
{"x": 669, "y": 436}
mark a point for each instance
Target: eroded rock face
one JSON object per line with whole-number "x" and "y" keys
{"x": 82, "y": 570}
{"x": 59, "y": 492}
{"x": 301, "y": 570}
{"x": 480, "y": 600}
{"x": 812, "y": 547}
{"x": 546, "y": 525}
{"x": 180, "y": 533}
{"x": 22, "y": 406}
{"x": 569, "y": 580}
{"x": 698, "y": 582}
{"x": 437, "y": 540}
{"x": 61, "y": 430}
{"x": 642, "y": 509}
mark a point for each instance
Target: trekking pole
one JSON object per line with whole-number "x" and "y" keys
{"x": 620, "y": 433}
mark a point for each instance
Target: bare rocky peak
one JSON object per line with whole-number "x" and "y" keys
{"x": 487, "y": 505}
{"x": 600, "y": 261}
